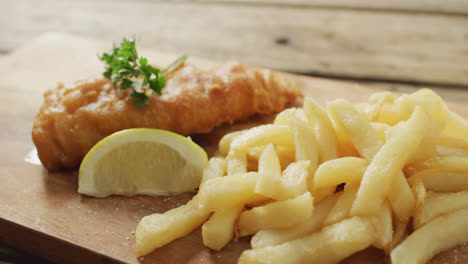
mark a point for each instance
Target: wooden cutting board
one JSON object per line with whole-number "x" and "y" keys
{"x": 42, "y": 213}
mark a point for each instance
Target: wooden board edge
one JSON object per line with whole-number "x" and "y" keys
{"x": 56, "y": 249}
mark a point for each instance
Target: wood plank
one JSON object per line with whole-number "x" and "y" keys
{"x": 433, "y": 6}
{"x": 41, "y": 212}
{"x": 427, "y": 48}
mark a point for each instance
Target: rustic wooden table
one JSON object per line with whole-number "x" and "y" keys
{"x": 399, "y": 45}
{"x": 395, "y": 45}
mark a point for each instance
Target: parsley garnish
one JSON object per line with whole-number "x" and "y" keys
{"x": 124, "y": 66}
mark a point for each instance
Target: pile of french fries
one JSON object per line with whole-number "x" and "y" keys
{"x": 318, "y": 185}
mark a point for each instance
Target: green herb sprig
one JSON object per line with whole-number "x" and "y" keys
{"x": 123, "y": 65}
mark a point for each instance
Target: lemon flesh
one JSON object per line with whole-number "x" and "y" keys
{"x": 142, "y": 161}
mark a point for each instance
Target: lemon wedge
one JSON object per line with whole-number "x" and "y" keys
{"x": 142, "y": 161}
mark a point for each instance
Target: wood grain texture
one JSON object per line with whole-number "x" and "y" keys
{"x": 355, "y": 43}
{"x": 42, "y": 213}
{"x": 434, "y": 6}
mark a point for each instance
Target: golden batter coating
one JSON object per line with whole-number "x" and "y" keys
{"x": 74, "y": 118}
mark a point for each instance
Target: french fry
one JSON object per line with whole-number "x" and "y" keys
{"x": 156, "y": 230}
{"x": 236, "y": 162}
{"x": 450, "y": 163}
{"x": 401, "y": 197}
{"x": 330, "y": 245}
{"x": 225, "y": 142}
{"x": 440, "y": 204}
{"x": 263, "y": 135}
{"x": 456, "y": 125}
{"x": 219, "y": 229}
{"x": 255, "y": 152}
{"x": 380, "y": 128}
{"x": 321, "y": 194}
{"x": 229, "y": 191}
{"x": 442, "y": 150}
{"x": 377, "y": 101}
{"x": 440, "y": 234}
{"x": 419, "y": 191}
{"x": 286, "y": 154}
{"x": 424, "y": 151}
{"x": 294, "y": 180}
{"x": 216, "y": 168}
{"x": 337, "y": 171}
{"x": 271, "y": 237}
{"x": 388, "y": 115}
{"x": 340, "y": 209}
{"x": 442, "y": 181}
{"x": 300, "y": 216}
{"x": 380, "y": 98}
{"x": 427, "y": 149}
{"x": 304, "y": 142}
{"x": 324, "y": 131}
{"x": 344, "y": 144}
{"x": 431, "y": 103}
{"x": 281, "y": 118}
{"x": 434, "y": 106}
{"x": 276, "y": 215}
{"x": 366, "y": 140}
{"x": 400, "y": 232}
{"x": 363, "y": 109}
{"x": 451, "y": 142}
{"x": 390, "y": 159}
{"x": 384, "y": 228}
{"x": 269, "y": 171}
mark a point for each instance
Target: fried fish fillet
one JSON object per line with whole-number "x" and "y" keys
{"x": 74, "y": 118}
